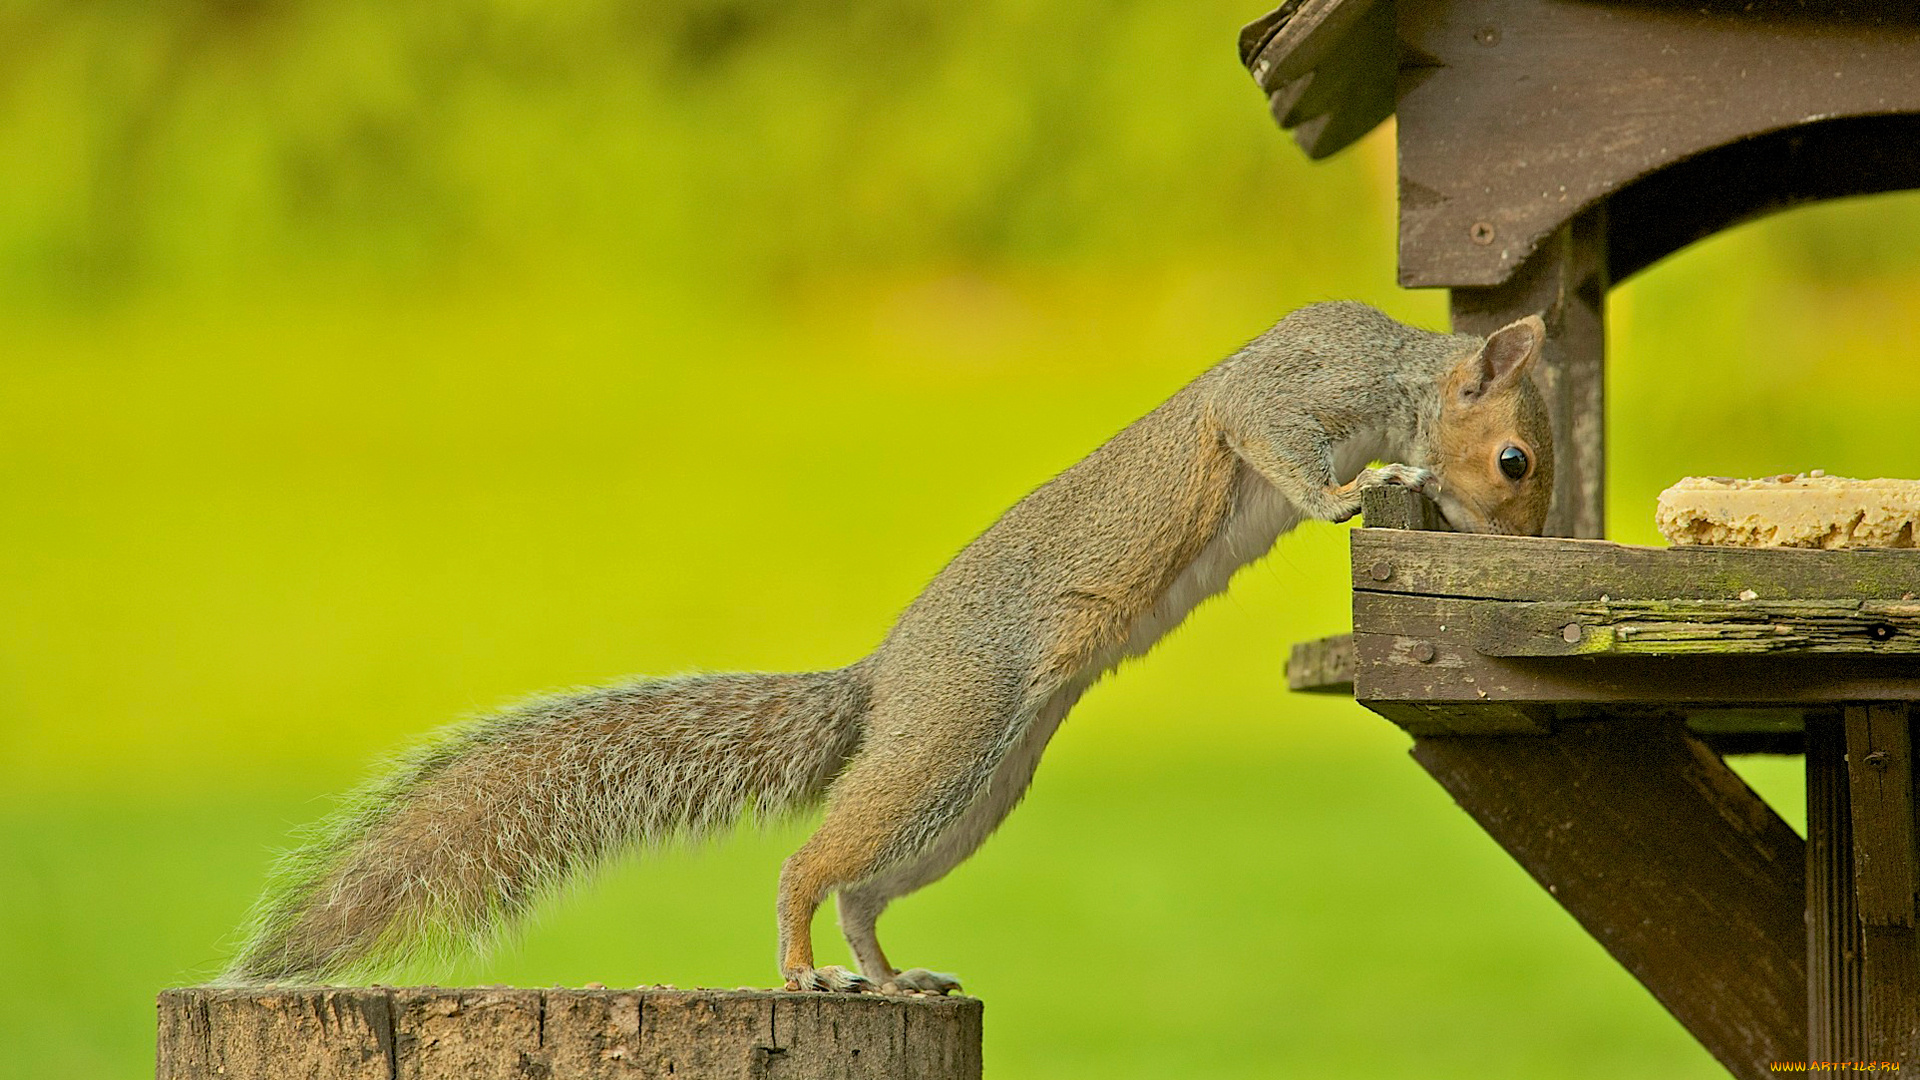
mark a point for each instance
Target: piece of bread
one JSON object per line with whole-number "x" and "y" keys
{"x": 1813, "y": 510}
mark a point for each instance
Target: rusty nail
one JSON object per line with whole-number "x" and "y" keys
{"x": 1487, "y": 35}
{"x": 1381, "y": 570}
{"x": 1572, "y": 633}
{"x": 1481, "y": 233}
{"x": 1423, "y": 651}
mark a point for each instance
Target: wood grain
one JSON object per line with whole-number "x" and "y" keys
{"x": 1518, "y": 115}
{"x": 435, "y": 1033}
{"x": 1546, "y": 568}
{"x": 1836, "y": 972}
{"x": 1666, "y": 857}
{"x": 1324, "y": 666}
{"x": 1880, "y": 771}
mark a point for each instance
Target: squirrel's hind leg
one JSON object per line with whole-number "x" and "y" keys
{"x": 805, "y": 880}
{"x": 860, "y": 908}
{"x": 896, "y": 822}
{"x": 843, "y": 856}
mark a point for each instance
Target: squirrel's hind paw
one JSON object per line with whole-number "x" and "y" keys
{"x": 920, "y": 981}
{"x": 832, "y": 980}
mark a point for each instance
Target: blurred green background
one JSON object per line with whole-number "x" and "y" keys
{"x": 366, "y": 365}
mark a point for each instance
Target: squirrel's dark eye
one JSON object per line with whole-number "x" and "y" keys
{"x": 1513, "y": 462}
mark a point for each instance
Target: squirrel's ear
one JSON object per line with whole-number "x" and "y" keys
{"x": 1507, "y": 355}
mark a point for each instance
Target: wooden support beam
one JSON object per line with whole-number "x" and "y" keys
{"x": 1880, "y": 773}
{"x": 1565, "y": 282}
{"x": 1667, "y": 858}
{"x": 435, "y": 1033}
{"x": 1836, "y": 981}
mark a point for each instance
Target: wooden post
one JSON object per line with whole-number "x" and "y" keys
{"x": 1565, "y": 282}
{"x": 434, "y": 1033}
{"x": 1880, "y": 777}
{"x": 1836, "y": 990}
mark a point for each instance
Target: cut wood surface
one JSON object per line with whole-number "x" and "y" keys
{"x": 439, "y": 1033}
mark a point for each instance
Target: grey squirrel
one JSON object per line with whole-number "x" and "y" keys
{"x": 920, "y": 749}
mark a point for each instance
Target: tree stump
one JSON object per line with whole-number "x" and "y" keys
{"x": 438, "y": 1033}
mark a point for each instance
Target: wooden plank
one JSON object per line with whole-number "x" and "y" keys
{"x": 436, "y": 1033}
{"x": 1327, "y": 67}
{"x": 1545, "y": 568}
{"x": 1565, "y": 282}
{"x": 1836, "y": 976}
{"x": 1666, "y": 857}
{"x": 1602, "y": 628}
{"x": 1322, "y": 667}
{"x": 1292, "y": 40}
{"x": 1880, "y": 785}
{"x": 1694, "y": 198}
{"x": 1465, "y": 718}
{"x": 1394, "y": 667}
{"x": 1515, "y": 116}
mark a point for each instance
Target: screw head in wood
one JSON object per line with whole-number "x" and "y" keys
{"x": 1423, "y": 651}
{"x": 1380, "y": 571}
{"x": 1481, "y": 232}
{"x": 1572, "y": 633}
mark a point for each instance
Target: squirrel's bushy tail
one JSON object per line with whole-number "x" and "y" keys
{"x": 468, "y": 830}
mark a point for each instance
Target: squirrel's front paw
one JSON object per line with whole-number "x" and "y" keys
{"x": 833, "y": 980}
{"x": 1411, "y": 477}
{"x": 920, "y": 981}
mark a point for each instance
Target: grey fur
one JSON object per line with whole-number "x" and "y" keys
{"x": 466, "y": 832}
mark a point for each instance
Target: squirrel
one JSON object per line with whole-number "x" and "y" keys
{"x": 920, "y": 749}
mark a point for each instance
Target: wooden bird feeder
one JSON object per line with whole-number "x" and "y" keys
{"x": 1575, "y": 696}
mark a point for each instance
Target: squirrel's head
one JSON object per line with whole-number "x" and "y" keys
{"x": 1494, "y": 445}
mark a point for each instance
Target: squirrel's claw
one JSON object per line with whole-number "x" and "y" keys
{"x": 832, "y": 980}
{"x": 920, "y": 981}
{"x": 1410, "y": 477}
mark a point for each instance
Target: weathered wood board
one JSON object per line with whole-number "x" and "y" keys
{"x": 436, "y": 1033}
{"x": 1880, "y": 778}
{"x": 1462, "y": 633}
{"x": 1515, "y": 115}
{"x": 1544, "y": 568}
{"x": 1324, "y": 666}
